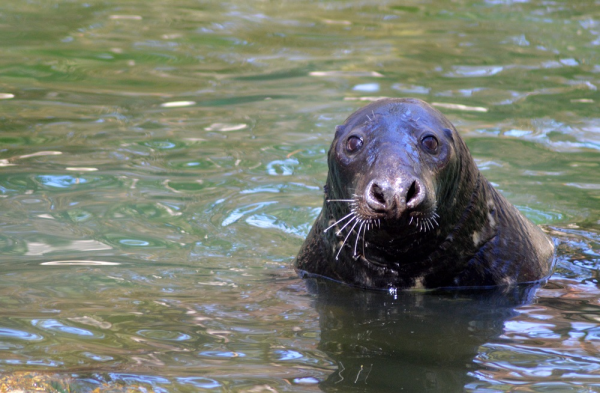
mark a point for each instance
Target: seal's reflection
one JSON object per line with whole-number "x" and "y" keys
{"x": 408, "y": 341}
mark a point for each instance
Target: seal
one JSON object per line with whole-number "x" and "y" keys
{"x": 406, "y": 207}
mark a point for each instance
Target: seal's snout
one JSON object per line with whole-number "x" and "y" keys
{"x": 392, "y": 199}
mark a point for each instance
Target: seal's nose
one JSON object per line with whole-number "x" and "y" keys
{"x": 393, "y": 199}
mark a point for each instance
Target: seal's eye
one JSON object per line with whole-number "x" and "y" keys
{"x": 353, "y": 144}
{"x": 430, "y": 143}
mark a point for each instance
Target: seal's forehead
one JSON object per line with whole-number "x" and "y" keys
{"x": 398, "y": 110}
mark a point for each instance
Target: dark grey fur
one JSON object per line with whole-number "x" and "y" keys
{"x": 416, "y": 217}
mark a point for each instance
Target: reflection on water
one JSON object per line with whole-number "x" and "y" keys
{"x": 415, "y": 342}
{"x": 161, "y": 163}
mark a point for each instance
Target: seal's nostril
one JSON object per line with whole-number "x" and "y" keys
{"x": 412, "y": 191}
{"x": 377, "y": 194}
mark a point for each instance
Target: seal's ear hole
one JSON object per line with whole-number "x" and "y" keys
{"x": 430, "y": 143}
{"x": 448, "y": 133}
{"x": 338, "y": 131}
{"x": 354, "y": 143}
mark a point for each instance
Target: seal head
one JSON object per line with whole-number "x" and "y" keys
{"x": 406, "y": 207}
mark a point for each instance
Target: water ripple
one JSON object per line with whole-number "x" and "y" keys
{"x": 199, "y": 382}
{"x": 222, "y": 354}
{"x": 56, "y": 326}
{"x": 19, "y": 334}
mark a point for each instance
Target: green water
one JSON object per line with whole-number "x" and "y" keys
{"x": 161, "y": 162}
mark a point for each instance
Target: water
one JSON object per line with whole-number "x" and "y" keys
{"x": 162, "y": 162}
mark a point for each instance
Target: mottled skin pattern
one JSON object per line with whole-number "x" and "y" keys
{"x": 433, "y": 220}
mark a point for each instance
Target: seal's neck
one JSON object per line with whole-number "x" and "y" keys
{"x": 471, "y": 212}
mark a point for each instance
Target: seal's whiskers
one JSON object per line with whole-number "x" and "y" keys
{"x": 362, "y": 222}
{"x": 364, "y": 233}
{"x": 338, "y": 221}
{"x": 364, "y": 225}
{"x": 425, "y": 223}
{"x": 346, "y": 238}
{"x": 346, "y": 224}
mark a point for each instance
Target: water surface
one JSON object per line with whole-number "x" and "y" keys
{"x": 162, "y": 162}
